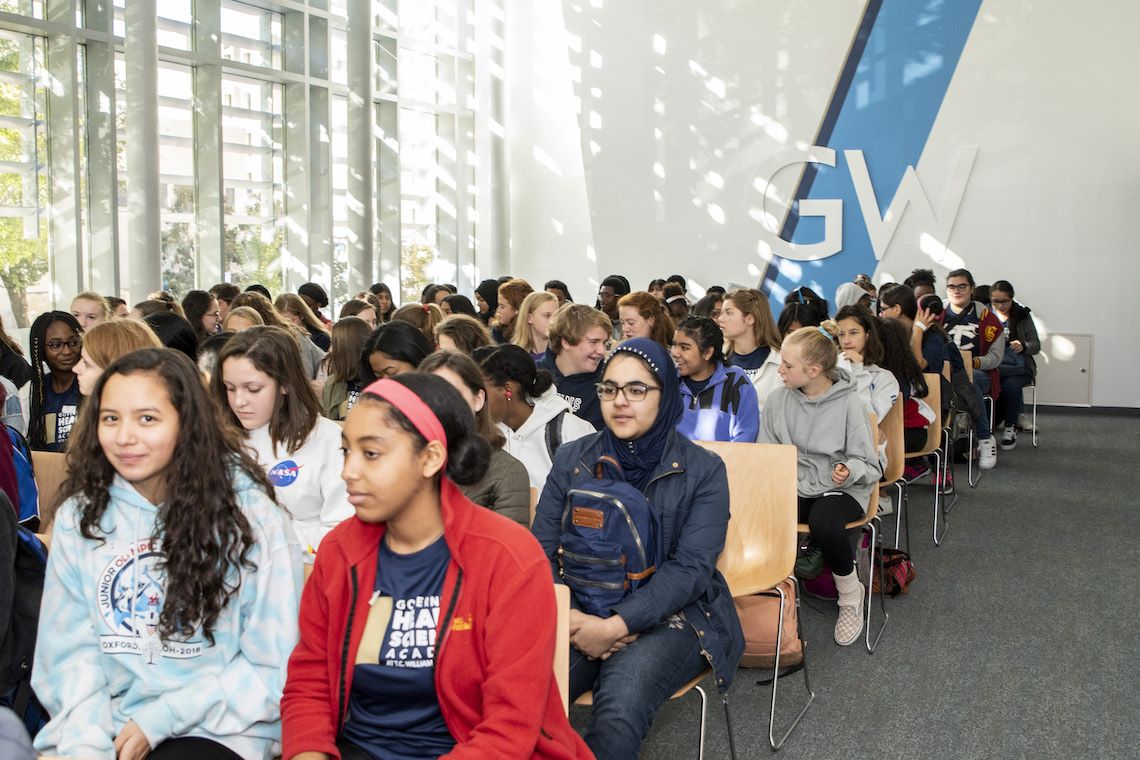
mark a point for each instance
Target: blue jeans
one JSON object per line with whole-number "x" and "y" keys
{"x": 630, "y": 687}
{"x": 982, "y": 388}
{"x": 1012, "y": 398}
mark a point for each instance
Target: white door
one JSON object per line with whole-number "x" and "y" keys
{"x": 1064, "y": 370}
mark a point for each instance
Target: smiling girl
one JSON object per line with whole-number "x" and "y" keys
{"x": 532, "y": 328}
{"x": 718, "y": 400}
{"x": 428, "y": 625}
{"x": 168, "y": 606}
{"x": 752, "y": 341}
{"x": 55, "y": 341}
{"x": 259, "y": 384}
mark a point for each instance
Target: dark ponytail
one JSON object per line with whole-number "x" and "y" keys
{"x": 510, "y": 362}
{"x": 468, "y": 453}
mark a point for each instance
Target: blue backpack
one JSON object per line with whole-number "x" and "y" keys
{"x": 608, "y": 541}
{"x": 28, "y": 510}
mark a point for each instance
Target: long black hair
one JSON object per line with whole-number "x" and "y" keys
{"x": 203, "y": 529}
{"x": 38, "y": 395}
{"x": 400, "y": 340}
{"x": 468, "y": 453}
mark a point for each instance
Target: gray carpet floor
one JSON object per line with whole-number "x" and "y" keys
{"x": 1018, "y": 638}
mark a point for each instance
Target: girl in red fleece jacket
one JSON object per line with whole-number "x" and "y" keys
{"x": 428, "y": 625}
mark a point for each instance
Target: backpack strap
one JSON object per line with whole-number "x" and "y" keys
{"x": 554, "y": 433}
{"x": 613, "y": 464}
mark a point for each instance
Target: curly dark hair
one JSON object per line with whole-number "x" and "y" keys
{"x": 203, "y": 529}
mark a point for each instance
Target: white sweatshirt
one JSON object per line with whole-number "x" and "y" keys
{"x": 307, "y": 481}
{"x": 528, "y": 443}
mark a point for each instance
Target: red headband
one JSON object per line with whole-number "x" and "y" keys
{"x": 413, "y": 407}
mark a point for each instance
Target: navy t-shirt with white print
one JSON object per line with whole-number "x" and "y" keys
{"x": 393, "y": 710}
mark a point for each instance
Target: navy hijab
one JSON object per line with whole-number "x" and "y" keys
{"x": 640, "y": 457}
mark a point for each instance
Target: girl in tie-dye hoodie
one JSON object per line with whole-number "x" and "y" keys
{"x": 169, "y": 606}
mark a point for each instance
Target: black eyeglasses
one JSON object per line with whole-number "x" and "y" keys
{"x": 633, "y": 392}
{"x": 57, "y": 345}
{"x": 958, "y": 287}
{"x": 1001, "y": 301}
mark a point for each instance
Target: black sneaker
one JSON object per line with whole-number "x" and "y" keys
{"x": 1009, "y": 438}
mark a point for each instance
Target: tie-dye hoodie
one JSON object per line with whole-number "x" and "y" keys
{"x": 99, "y": 662}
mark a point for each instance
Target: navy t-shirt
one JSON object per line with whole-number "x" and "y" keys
{"x": 696, "y": 387}
{"x": 580, "y": 390}
{"x": 393, "y": 710}
{"x": 59, "y": 412}
{"x": 750, "y": 362}
{"x": 965, "y": 330}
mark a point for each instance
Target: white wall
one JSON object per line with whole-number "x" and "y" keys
{"x": 659, "y": 116}
{"x": 1052, "y": 201}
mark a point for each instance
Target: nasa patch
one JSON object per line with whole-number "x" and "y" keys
{"x": 284, "y": 473}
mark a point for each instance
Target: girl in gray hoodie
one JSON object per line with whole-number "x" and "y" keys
{"x": 819, "y": 412}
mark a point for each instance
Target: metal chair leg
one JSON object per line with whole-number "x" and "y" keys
{"x": 776, "y": 745}
{"x": 871, "y": 645}
{"x": 728, "y": 724}
{"x": 704, "y": 705}
{"x": 1034, "y": 387}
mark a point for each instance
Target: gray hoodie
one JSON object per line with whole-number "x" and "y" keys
{"x": 826, "y": 430}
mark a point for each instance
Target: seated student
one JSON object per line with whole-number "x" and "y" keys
{"x": 360, "y": 308}
{"x": 259, "y": 385}
{"x": 342, "y": 365}
{"x": 921, "y": 282}
{"x": 511, "y": 295}
{"x": 384, "y": 301}
{"x": 899, "y": 361}
{"x": 808, "y": 297}
{"x": 420, "y": 563}
{"x": 718, "y": 401}
{"x": 295, "y": 309}
{"x": 310, "y": 353}
{"x": 105, "y": 343}
{"x": 559, "y": 290}
{"x": 752, "y": 340}
{"x": 861, "y": 354}
{"x": 202, "y": 312}
{"x": 457, "y": 304}
{"x": 1018, "y": 368}
{"x": 532, "y": 324}
{"x": 424, "y": 317}
{"x": 505, "y": 488}
{"x": 931, "y": 348}
{"x": 682, "y": 620}
{"x": 710, "y": 305}
{"x": 462, "y": 333}
{"x": 241, "y": 318}
{"x": 487, "y": 300}
{"x": 974, "y": 328}
{"x": 169, "y": 609}
{"x": 532, "y": 417}
{"x": 578, "y": 339}
{"x": 819, "y": 412}
{"x": 13, "y": 365}
{"x": 677, "y": 304}
{"x": 55, "y": 340}
{"x": 89, "y": 309}
{"x": 643, "y": 316}
{"x": 392, "y": 348}
{"x": 797, "y": 315}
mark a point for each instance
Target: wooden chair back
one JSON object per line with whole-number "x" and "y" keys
{"x": 760, "y": 545}
{"x": 51, "y": 470}
{"x": 934, "y": 430}
{"x": 892, "y": 428}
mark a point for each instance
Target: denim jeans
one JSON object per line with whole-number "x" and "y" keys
{"x": 982, "y": 387}
{"x": 630, "y": 687}
{"x": 1012, "y": 398}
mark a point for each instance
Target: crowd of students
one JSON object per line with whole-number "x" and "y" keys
{"x": 224, "y": 448}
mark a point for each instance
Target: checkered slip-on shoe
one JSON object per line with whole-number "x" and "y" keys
{"x": 849, "y": 625}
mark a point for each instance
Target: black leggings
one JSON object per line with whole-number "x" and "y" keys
{"x": 349, "y": 751}
{"x": 192, "y": 748}
{"x": 826, "y": 517}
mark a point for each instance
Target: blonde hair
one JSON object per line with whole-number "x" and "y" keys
{"x": 523, "y": 333}
{"x": 818, "y": 346}
{"x": 108, "y": 341}
{"x": 245, "y": 312}
{"x": 764, "y": 329}
{"x": 650, "y": 308}
{"x": 89, "y": 295}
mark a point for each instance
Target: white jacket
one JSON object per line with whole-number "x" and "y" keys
{"x": 528, "y": 443}
{"x": 307, "y": 482}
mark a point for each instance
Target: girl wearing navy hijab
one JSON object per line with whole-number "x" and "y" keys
{"x": 651, "y": 642}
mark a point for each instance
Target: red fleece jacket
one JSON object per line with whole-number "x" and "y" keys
{"x": 494, "y": 661}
